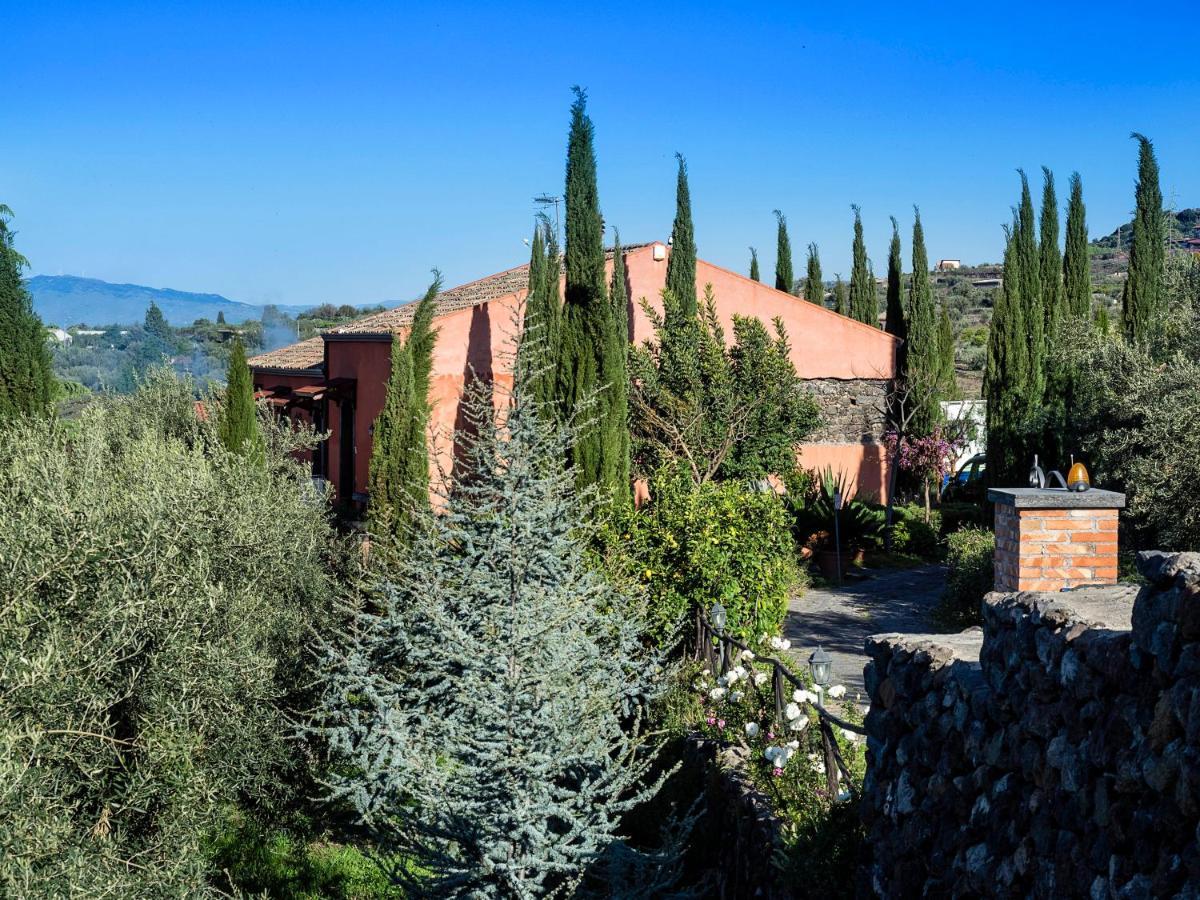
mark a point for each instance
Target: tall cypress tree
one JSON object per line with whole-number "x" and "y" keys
{"x": 592, "y": 364}
{"x": 896, "y": 324}
{"x": 923, "y": 359}
{"x": 681, "y": 266}
{"x": 863, "y": 305}
{"x": 1077, "y": 281}
{"x": 156, "y": 323}
{"x": 1051, "y": 267}
{"x": 841, "y": 298}
{"x": 814, "y": 286}
{"x": 541, "y": 332}
{"x": 620, "y": 464}
{"x": 398, "y": 479}
{"x": 784, "y": 279}
{"x": 1029, "y": 268}
{"x": 237, "y": 425}
{"x": 26, "y": 382}
{"x": 1142, "y": 298}
{"x": 947, "y": 378}
{"x": 754, "y": 265}
{"x": 1005, "y": 382}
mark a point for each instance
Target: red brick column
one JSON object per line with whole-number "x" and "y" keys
{"x": 1047, "y": 540}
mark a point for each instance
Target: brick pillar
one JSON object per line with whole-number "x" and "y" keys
{"x": 1047, "y": 540}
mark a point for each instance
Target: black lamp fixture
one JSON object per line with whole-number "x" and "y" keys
{"x": 820, "y": 664}
{"x": 718, "y": 617}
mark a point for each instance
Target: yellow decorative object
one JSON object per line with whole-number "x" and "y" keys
{"x": 1077, "y": 478}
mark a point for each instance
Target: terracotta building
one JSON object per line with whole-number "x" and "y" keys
{"x": 337, "y": 380}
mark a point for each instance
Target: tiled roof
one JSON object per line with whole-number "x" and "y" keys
{"x": 502, "y": 284}
{"x": 308, "y": 354}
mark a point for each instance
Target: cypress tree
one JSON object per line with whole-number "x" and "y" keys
{"x": 863, "y": 305}
{"x": 156, "y": 323}
{"x": 947, "y": 379}
{"x": 541, "y": 332}
{"x": 896, "y": 324}
{"x": 841, "y": 299}
{"x": 220, "y": 317}
{"x": 814, "y": 286}
{"x": 1101, "y": 319}
{"x": 784, "y": 279}
{"x": 923, "y": 359}
{"x": 1077, "y": 282}
{"x": 398, "y": 479}
{"x": 26, "y": 382}
{"x": 1029, "y": 269}
{"x": 591, "y": 370}
{"x": 754, "y": 265}
{"x": 681, "y": 265}
{"x": 238, "y": 424}
{"x": 621, "y": 453}
{"x": 1051, "y": 267}
{"x": 1142, "y": 298}
{"x": 1005, "y": 382}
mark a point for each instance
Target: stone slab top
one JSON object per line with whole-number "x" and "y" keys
{"x": 1056, "y": 498}
{"x": 1108, "y": 606}
{"x": 943, "y": 648}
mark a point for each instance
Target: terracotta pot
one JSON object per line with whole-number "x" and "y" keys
{"x": 827, "y": 563}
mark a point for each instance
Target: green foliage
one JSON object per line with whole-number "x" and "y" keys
{"x": 841, "y": 297}
{"x": 947, "y": 380}
{"x": 784, "y": 279}
{"x": 912, "y": 534}
{"x": 923, "y": 359}
{"x": 693, "y": 545}
{"x": 814, "y": 287}
{"x": 722, "y": 411}
{"x": 542, "y": 329}
{"x": 156, "y": 324}
{"x": 238, "y": 420}
{"x": 592, "y": 380}
{"x": 1028, "y": 269}
{"x": 288, "y": 866}
{"x": 970, "y": 556}
{"x": 398, "y": 479}
{"x": 859, "y": 524}
{"x": 488, "y": 710}
{"x": 26, "y": 383}
{"x": 863, "y": 305}
{"x": 681, "y": 265}
{"x": 160, "y": 599}
{"x": 1077, "y": 285}
{"x": 1006, "y": 379}
{"x": 1141, "y": 302}
{"x": 896, "y": 321}
{"x": 1051, "y": 269}
{"x": 754, "y": 265}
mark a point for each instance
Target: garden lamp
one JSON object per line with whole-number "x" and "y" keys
{"x": 820, "y": 663}
{"x": 717, "y": 616}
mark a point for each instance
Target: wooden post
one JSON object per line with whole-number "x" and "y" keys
{"x": 831, "y": 770}
{"x": 777, "y": 690}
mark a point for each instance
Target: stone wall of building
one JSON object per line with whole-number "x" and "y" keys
{"x": 1055, "y": 752}
{"x": 852, "y": 410}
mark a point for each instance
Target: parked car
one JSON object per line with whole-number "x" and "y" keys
{"x": 968, "y": 482}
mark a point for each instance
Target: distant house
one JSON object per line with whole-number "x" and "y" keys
{"x": 948, "y": 265}
{"x": 338, "y": 380}
{"x": 63, "y": 337}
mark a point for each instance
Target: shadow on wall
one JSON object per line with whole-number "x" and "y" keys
{"x": 478, "y": 370}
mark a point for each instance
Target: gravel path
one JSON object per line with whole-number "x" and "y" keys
{"x": 841, "y": 619}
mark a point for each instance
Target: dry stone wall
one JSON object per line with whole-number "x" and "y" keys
{"x": 852, "y": 410}
{"x": 1054, "y": 753}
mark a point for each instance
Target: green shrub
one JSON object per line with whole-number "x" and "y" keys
{"x": 971, "y": 575}
{"x": 912, "y": 534}
{"x": 693, "y": 545}
{"x": 954, "y": 516}
{"x": 160, "y": 596}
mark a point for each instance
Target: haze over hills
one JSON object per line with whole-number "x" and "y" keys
{"x": 68, "y": 300}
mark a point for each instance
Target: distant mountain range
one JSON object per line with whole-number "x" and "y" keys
{"x": 68, "y": 300}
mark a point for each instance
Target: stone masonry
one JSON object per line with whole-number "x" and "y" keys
{"x": 852, "y": 410}
{"x": 1053, "y": 753}
{"x": 1047, "y": 540}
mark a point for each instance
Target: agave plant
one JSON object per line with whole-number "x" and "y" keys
{"x": 859, "y": 524}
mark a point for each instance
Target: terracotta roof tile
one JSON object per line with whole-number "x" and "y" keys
{"x": 307, "y": 354}
{"x": 502, "y": 284}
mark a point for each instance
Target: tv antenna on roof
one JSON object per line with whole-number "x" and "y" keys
{"x": 545, "y": 201}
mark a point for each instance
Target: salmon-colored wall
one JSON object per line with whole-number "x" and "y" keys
{"x": 479, "y": 339}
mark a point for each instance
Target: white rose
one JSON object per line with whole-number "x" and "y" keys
{"x": 799, "y": 724}
{"x": 717, "y": 693}
{"x": 760, "y": 678}
{"x": 736, "y": 696}
{"x": 793, "y": 745}
{"x": 792, "y": 712}
{"x": 752, "y": 729}
{"x": 837, "y": 691}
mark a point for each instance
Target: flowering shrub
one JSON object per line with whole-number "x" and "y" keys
{"x": 928, "y": 457}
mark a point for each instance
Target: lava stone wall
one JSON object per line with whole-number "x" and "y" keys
{"x": 852, "y": 410}
{"x": 1054, "y": 753}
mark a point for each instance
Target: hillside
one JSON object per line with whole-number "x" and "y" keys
{"x": 69, "y": 300}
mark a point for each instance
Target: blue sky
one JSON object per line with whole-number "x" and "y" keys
{"x": 304, "y": 152}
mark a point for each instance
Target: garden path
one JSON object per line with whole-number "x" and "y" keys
{"x": 874, "y": 602}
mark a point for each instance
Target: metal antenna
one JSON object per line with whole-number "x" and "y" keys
{"x": 545, "y": 200}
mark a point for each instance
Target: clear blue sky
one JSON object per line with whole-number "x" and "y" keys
{"x": 304, "y": 152}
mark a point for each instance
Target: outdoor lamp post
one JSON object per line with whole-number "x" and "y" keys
{"x": 820, "y": 665}
{"x": 717, "y": 616}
